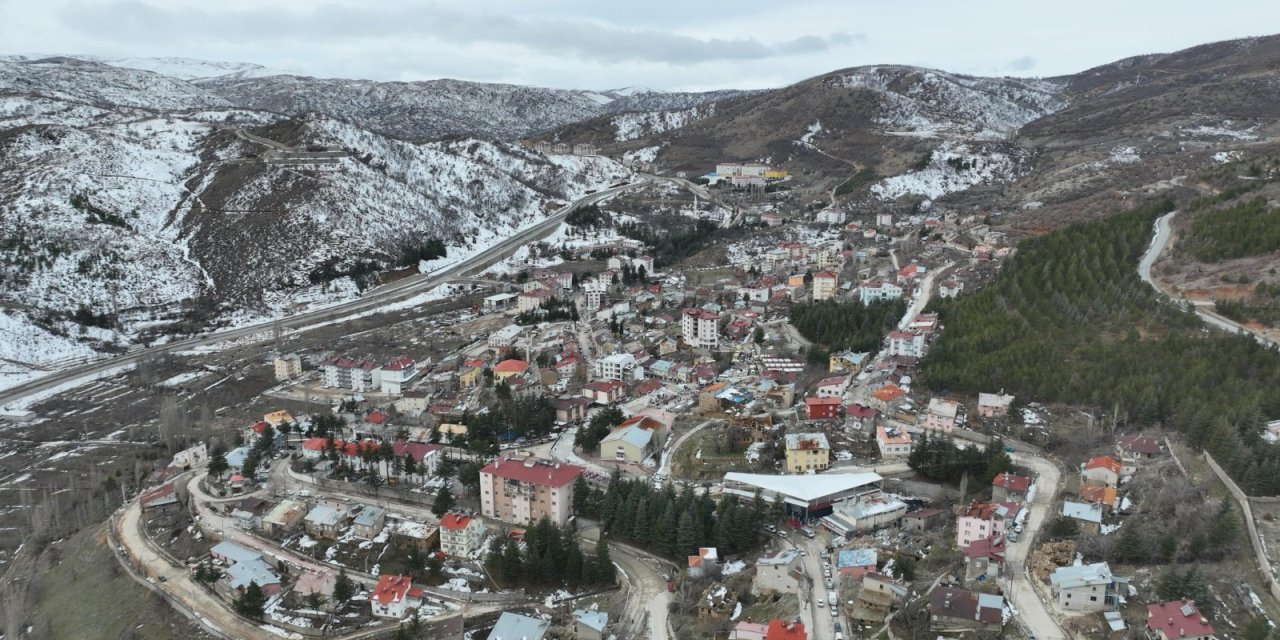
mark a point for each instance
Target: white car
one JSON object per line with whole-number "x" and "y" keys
{"x": 783, "y": 534}
{"x": 834, "y": 613}
{"x": 770, "y": 528}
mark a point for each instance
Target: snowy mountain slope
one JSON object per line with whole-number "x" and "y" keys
{"x": 181, "y": 68}
{"x": 103, "y": 85}
{"x": 438, "y": 108}
{"x": 642, "y": 124}
{"x": 956, "y": 166}
{"x": 930, "y": 103}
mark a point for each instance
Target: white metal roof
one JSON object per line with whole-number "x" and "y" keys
{"x": 805, "y": 487}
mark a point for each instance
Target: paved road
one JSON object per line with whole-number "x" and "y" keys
{"x": 177, "y": 581}
{"x": 1162, "y": 231}
{"x": 374, "y": 299}
{"x": 1031, "y": 609}
{"x": 923, "y": 295}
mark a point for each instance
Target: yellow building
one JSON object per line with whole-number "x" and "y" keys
{"x": 775, "y": 174}
{"x": 807, "y": 452}
{"x": 277, "y": 418}
{"x": 469, "y": 377}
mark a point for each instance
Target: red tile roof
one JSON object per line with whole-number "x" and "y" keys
{"x": 648, "y": 386}
{"x": 511, "y": 366}
{"x": 1011, "y": 482}
{"x": 377, "y": 417}
{"x": 992, "y": 547}
{"x": 259, "y": 426}
{"x": 455, "y": 522}
{"x": 785, "y": 630}
{"x": 533, "y": 471}
{"x": 393, "y": 589}
{"x": 403, "y": 362}
{"x": 416, "y": 449}
{"x": 1141, "y": 444}
{"x": 1178, "y": 619}
{"x": 1103, "y": 462}
{"x": 888, "y": 392}
{"x": 816, "y": 402}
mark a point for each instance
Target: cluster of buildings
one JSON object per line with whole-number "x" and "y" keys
{"x": 748, "y": 174}
{"x": 546, "y": 147}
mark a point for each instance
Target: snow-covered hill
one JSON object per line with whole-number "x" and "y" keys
{"x": 181, "y": 68}
{"x": 101, "y": 85}
{"x": 929, "y": 103}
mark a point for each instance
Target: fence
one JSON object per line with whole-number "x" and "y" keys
{"x": 1260, "y": 554}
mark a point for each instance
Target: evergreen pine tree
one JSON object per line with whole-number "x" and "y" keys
{"x": 444, "y": 501}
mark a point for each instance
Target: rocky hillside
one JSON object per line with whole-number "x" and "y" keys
{"x": 136, "y": 196}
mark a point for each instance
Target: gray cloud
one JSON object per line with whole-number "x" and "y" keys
{"x": 1025, "y": 63}
{"x": 339, "y": 25}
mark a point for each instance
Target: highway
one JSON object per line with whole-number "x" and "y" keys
{"x": 1161, "y": 233}
{"x": 372, "y": 300}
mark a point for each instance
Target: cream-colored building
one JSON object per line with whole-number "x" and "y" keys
{"x": 521, "y": 489}
{"x": 807, "y": 452}
{"x": 460, "y": 534}
{"x": 824, "y": 285}
{"x": 288, "y": 367}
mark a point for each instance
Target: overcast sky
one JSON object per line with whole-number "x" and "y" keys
{"x": 660, "y": 44}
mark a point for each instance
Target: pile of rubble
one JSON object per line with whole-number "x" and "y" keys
{"x": 1050, "y": 556}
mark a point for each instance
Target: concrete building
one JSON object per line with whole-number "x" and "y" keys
{"x": 983, "y": 520}
{"x": 778, "y": 573}
{"x": 617, "y": 366}
{"x": 356, "y": 375}
{"x": 877, "y": 290}
{"x": 589, "y": 624}
{"x": 807, "y": 452}
{"x": 1177, "y": 620}
{"x": 825, "y": 285}
{"x": 941, "y": 415}
{"x": 395, "y": 376}
{"x": 906, "y": 343}
{"x": 629, "y": 444}
{"x": 513, "y": 626}
{"x": 287, "y": 367}
{"x": 521, "y": 489}
{"x": 460, "y": 534}
{"x": 992, "y": 405}
{"x": 393, "y": 596}
{"x": 956, "y": 609}
{"x": 700, "y": 329}
{"x": 1086, "y": 587}
{"x": 893, "y": 442}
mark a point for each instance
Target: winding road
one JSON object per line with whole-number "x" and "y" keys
{"x": 384, "y": 295}
{"x": 1162, "y": 232}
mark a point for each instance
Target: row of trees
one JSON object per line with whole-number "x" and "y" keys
{"x": 550, "y": 311}
{"x": 938, "y": 458}
{"x": 1248, "y": 228}
{"x": 835, "y": 326}
{"x": 674, "y": 524}
{"x": 1068, "y": 320}
{"x": 513, "y": 416}
{"x": 671, "y": 247}
{"x": 1263, "y": 306}
{"x": 551, "y": 556}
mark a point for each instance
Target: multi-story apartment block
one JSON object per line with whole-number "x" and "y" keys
{"x": 460, "y": 534}
{"x": 521, "y": 489}
{"x": 700, "y": 328}
{"x": 824, "y": 285}
{"x": 356, "y": 375}
{"x": 807, "y": 452}
{"x": 288, "y": 366}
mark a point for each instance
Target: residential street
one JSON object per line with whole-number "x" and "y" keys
{"x": 1033, "y": 611}
{"x": 177, "y": 581}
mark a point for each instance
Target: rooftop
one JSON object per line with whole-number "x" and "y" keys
{"x": 513, "y": 626}
{"x": 805, "y": 487}
{"x": 533, "y": 470}
{"x": 1178, "y": 619}
{"x": 1081, "y": 575}
{"x": 808, "y": 441}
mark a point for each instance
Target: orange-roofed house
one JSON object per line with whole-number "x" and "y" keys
{"x": 508, "y": 368}
{"x": 1098, "y": 494}
{"x": 785, "y": 630}
{"x": 888, "y": 398}
{"x": 1101, "y": 470}
{"x": 277, "y": 418}
{"x": 393, "y": 596}
{"x": 460, "y": 534}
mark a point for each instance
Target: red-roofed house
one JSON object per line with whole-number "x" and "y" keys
{"x": 522, "y": 489}
{"x": 1177, "y": 620}
{"x": 785, "y": 630}
{"x": 604, "y": 391}
{"x": 1097, "y": 494}
{"x": 984, "y": 558}
{"x": 396, "y": 375}
{"x": 508, "y": 368}
{"x": 1101, "y": 470}
{"x": 393, "y": 596}
{"x": 460, "y": 534}
{"x": 426, "y": 457}
{"x": 161, "y": 497}
{"x": 887, "y": 398}
{"x": 378, "y": 417}
{"x": 1008, "y": 487}
{"x": 860, "y": 413}
{"x": 984, "y": 519}
{"x": 822, "y": 408}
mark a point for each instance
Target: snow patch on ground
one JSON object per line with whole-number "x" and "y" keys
{"x": 1222, "y": 131}
{"x": 811, "y": 131}
{"x": 731, "y": 568}
{"x": 1124, "y": 155}
{"x": 952, "y": 167}
{"x": 644, "y": 154}
{"x": 633, "y": 126}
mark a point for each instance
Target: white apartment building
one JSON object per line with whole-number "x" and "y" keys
{"x": 906, "y": 343}
{"x": 287, "y": 367}
{"x": 617, "y": 366}
{"x": 824, "y": 285}
{"x": 700, "y": 328}
{"x": 460, "y": 534}
{"x": 876, "y": 290}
